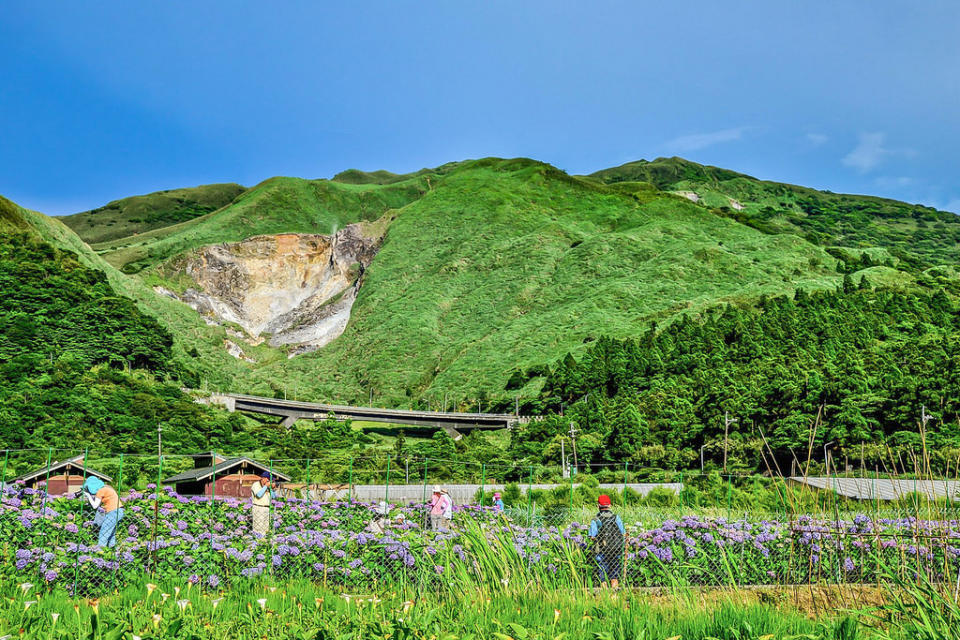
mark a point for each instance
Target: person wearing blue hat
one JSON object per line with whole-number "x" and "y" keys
{"x": 100, "y": 495}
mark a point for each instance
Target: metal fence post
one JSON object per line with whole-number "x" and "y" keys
{"x": 269, "y": 515}
{"x": 156, "y": 508}
{"x": 425, "y": 463}
{"x": 530, "y": 498}
{"x": 386, "y": 493}
{"x": 46, "y": 488}
{"x": 729, "y": 495}
{"x": 625, "y": 465}
{"x": 76, "y": 568}
{"x": 309, "y": 490}
{"x": 681, "y": 490}
{"x": 210, "y": 509}
{"x": 119, "y": 488}
{"x": 3, "y": 478}
{"x": 483, "y": 482}
{"x": 350, "y": 483}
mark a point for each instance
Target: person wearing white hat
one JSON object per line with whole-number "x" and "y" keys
{"x": 440, "y": 504}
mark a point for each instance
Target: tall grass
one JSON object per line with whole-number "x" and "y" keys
{"x": 305, "y": 610}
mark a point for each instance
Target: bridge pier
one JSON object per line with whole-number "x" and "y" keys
{"x": 288, "y": 421}
{"x": 453, "y": 433}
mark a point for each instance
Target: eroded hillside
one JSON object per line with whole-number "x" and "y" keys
{"x": 293, "y": 289}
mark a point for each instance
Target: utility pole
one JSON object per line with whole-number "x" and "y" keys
{"x": 727, "y": 421}
{"x": 924, "y": 417}
{"x": 573, "y": 439}
{"x": 701, "y": 457}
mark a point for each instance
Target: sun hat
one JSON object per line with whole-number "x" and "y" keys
{"x": 603, "y": 500}
{"x": 496, "y": 495}
{"x": 383, "y": 508}
{"x": 444, "y": 492}
{"x": 437, "y": 489}
{"x": 92, "y": 484}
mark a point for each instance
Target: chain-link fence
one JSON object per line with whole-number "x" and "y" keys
{"x": 377, "y": 522}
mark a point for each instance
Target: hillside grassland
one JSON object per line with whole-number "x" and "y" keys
{"x": 138, "y": 214}
{"x": 277, "y": 205}
{"x": 918, "y": 236}
{"x": 506, "y": 264}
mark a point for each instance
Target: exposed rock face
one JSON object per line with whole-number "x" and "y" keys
{"x": 298, "y": 288}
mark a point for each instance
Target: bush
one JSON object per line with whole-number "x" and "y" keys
{"x": 661, "y": 497}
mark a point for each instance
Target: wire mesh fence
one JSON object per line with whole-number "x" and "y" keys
{"x": 378, "y": 523}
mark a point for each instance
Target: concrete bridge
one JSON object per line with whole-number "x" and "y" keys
{"x": 293, "y": 410}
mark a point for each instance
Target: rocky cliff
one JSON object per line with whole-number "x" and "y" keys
{"x": 294, "y": 290}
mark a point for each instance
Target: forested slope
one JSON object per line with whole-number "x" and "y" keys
{"x": 80, "y": 365}
{"x": 858, "y": 363}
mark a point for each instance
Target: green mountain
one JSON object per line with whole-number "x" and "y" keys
{"x": 913, "y": 237}
{"x": 138, "y": 214}
{"x": 277, "y": 205}
{"x": 510, "y": 263}
{"x": 497, "y": 280}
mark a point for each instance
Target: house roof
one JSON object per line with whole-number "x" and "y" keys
{"x": 203, "y": 473}
{"x": 55, "y": 467}
{"x": 883, "y": 488}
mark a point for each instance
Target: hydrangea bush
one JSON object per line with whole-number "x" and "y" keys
{"x": 209, "y": 543}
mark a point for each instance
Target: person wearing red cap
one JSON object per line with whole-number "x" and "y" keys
{"x": 607, "y": 533}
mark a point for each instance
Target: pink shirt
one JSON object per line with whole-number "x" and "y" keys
{"x": 438, "y": 505}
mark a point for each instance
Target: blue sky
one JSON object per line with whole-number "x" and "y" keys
{"x": 106, "y": 99}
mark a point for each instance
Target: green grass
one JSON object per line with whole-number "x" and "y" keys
{"x": 277, "y": 205}
{"x": 916, "y": 235}
{"x": 300, "y": 609}
{"x": 509, "y": 263}
{"x": 138, "y": 214}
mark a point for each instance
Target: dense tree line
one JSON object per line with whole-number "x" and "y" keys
{"x": 860, "y": 363}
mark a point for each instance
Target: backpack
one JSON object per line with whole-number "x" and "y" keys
{"x": 609, "y": 541}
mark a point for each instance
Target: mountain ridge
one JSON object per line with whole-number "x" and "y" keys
{"x": 493, "y": 265}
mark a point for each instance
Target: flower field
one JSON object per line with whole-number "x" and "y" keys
{"x": 209, "y": 545}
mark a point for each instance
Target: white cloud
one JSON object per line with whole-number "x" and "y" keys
{"x": 696, "y": 141}
{"x": 817, "y": 139}
{"x": 868, "y": 153}
{"x": 893, "y": 182}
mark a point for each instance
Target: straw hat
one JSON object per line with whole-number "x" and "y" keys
{"x": 437, "y": 489}
{"x": 444, "y": 492}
